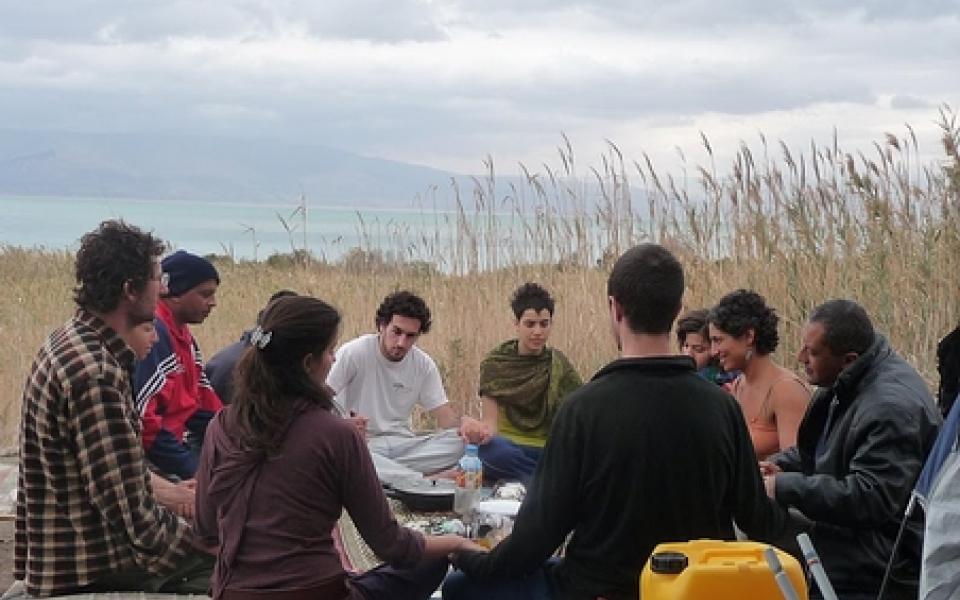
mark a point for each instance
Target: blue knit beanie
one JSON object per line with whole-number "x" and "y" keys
{"x": 187, "y": 271}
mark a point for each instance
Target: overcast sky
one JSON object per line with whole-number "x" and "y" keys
{"x": 446, "y": 82}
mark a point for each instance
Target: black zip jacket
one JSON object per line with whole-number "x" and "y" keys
{"x": 856, "y": 491}
{"x": 647, "y": 452}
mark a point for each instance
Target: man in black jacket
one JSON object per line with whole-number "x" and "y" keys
{"x": 646, "y": 452}
{"x": 859, "y": 451}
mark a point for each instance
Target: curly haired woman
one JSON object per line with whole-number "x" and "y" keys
{"x": 743, "y": 334}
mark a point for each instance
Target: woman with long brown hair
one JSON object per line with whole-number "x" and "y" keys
{"x": 278, "y": 468}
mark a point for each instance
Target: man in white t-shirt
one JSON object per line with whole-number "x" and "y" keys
{"x": 379, "y": 377}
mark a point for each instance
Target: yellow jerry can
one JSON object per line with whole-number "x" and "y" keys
{"x": 717, "y": 570}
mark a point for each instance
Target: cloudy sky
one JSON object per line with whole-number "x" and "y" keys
{"x": 446, "y": 82}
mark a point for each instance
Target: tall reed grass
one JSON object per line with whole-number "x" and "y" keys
{"x": 800, "y": 227}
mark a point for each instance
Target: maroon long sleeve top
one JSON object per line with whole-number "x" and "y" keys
{"x": 272, "y": 518}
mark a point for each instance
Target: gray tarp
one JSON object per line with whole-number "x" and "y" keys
{"x": 940, "y": 574}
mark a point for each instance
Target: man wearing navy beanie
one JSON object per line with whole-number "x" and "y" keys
{"x": 173, "y": 395}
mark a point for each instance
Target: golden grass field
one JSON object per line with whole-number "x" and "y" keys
{"x": 880, "y": 228}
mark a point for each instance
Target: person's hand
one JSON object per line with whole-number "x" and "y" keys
{"x": 468, "y": 545}
{"x": 770, "y": 485}
{"x": 465, "y": 545}
{"x": 473, "y": 431}
{"x": 178, "y": 497}
{"x": 359, "y": 422}
{"x": 768, "y": 468}
{"x": 187, "y": 498}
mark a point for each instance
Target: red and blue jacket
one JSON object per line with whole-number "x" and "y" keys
{"x": 174, "y": 398}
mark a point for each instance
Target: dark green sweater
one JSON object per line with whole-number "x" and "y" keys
{"x": 647, "y": 452}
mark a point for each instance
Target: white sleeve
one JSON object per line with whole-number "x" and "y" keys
{"x": 431, "y": 394}
{"x": 343, "y": 370}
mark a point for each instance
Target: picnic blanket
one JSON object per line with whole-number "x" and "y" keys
{"x": 357, "y": 557}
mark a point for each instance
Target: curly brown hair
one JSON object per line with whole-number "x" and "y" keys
{"x": 742, "y": 310}
{"x": 405, "y": 304}
{"x": 110, "y": 256}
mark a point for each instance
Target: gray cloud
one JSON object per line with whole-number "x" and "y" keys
{"x": 452, "y": 80}
{"x": 106, "y": 21}
{"x": 907, "y": 101}
{"x": 697, "y": 15}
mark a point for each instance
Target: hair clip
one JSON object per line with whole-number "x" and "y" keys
{"x": 260, "y": 338}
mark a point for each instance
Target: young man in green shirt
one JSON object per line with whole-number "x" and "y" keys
{"x": 522, "y": 383}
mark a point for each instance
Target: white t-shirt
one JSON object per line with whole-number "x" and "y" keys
{"x": 382, "y": 390}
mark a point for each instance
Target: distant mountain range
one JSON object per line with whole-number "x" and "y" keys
{"x": 208, "y": 169}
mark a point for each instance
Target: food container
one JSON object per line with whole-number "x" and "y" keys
{"x": 511, "y": 490}
{"x": 716, "y": 570}
{"x": 423, "y": 495}
{"x": 493, "y": 520}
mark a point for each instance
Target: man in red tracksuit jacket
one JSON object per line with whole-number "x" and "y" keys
{"x": 173, "y": 395}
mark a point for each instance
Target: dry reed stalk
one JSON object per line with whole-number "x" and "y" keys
{"x": 797, "y": 227}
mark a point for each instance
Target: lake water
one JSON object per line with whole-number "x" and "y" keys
{"x": 242, "y": 230}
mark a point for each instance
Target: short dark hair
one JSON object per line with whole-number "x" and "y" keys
{"x": 281, "y": 294}
{"x": 531, "y": 295}
{"x": 276, "y": 295}
{"x": 405, "y": 304}
{"x": 846, "y": 326}
{"x": 742, "y": 310}
{"x": 693, "y": 321}
{"x": 647, "y": 282}
{"x": 110, "y": 256}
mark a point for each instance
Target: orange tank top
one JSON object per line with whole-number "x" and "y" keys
{"x": 763, "y": 433}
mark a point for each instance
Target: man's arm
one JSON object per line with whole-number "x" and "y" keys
{"x": 548, "y": 513}
{"x": 481, "y": 431}
{"x": 880, "y": 475}
{"x": 446, "y": 417}
{"x": 177, "y": 497}
{"x": 111, "y": 463}
{"x": 484, "y": 430}
{"x": 154, "y": 390}
{"x": 786, "y": 460}
{"x": 434, "y": 400}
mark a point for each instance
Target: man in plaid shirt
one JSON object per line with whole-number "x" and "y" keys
{"x": 88, "y": 518}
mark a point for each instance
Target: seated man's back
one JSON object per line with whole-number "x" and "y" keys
{"x": 646, "y": 452}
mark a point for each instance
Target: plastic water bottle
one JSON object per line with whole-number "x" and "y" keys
{"x": 469, "y": 480}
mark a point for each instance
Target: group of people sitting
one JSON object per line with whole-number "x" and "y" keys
{"x": 141, "y": 468}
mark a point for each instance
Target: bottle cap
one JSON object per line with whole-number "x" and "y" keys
{"x": 668, "y": 563}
